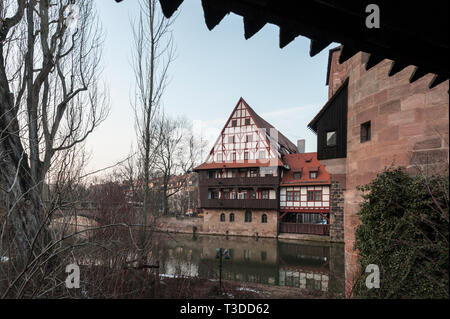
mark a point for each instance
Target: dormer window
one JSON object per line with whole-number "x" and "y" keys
{"x": 313, "y": 174}
{"x": 331, "y": 138}
{"x": 297, "y": 175}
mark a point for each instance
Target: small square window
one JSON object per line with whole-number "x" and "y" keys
{"x": 247, "y": 121}
{"x": 297, "y": 175}
{"x": 219, "y": 157}
{"x": 313, "y": 175}
{"x": 249, "y": 138}
{"x": 234, "y": 123}
{"x": 231, "y": 139}
{"x": 331, "y": 138}
{"x": 365, "y": 132}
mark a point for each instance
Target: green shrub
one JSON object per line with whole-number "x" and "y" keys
{"x": 405, "y": 231}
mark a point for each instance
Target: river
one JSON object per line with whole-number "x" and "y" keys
{"x": 302, "y": 264}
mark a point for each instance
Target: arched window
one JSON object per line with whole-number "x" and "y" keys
{"x": 222, "y": 217}
{"x": 232, "y": 217}
{"x": 248, "y": 216}
{"x": 264, "y": 218}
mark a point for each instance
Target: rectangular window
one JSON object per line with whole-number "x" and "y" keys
{"x": 249, "y": 138}
{"x": 242, "y": 195}
{"x": 365, "y": 132}
{"x": 234, "y": 123}
{"x": 253, "y": 172}
{"x": 318, "y": 196}
{"x": 297, "y": 175}
{"x": 313, "y": 174}
{"x": 262, "y": 154}
{"x": 246, "y": 155}
{"x": 331, "y": 138}
{"x": 211, "y": 174}
{"x": 233, "y": 156}
{"x": 233, "y": 195}
{"x": 252, "y": 194}
{"x": 289, "y": 196}
{"x": 226, "y": 195}
{"x": 310, "y": 196}
{"x": 297, "y": 196}
{"x": 247, "y": 121}
{"x": 219, "y": 157}
{"x": 265, "y": 194}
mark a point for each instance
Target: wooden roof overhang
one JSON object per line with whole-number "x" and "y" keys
{"x": 409, "y": 34}
{"x": 313, "y": 124}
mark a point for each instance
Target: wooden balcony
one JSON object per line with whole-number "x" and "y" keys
{"x": 310, "y": 229}
{"x": 269, "y": 181}
{"x": 240, "y": 203}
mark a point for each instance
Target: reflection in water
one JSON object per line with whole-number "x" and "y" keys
{"x": 306, "y": 265}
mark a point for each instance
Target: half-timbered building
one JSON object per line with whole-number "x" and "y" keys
{"x": 255, "y": 182}
{"x": 305, "y": 196}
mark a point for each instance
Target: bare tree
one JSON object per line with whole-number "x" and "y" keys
{"x": 153, "y": 54}
{"x": 50, "y": 101}
{"x": 177, "y": 155}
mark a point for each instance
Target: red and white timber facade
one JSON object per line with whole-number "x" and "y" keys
{"x": 247, "y": 183}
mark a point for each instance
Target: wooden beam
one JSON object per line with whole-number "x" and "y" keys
{"x": 437, "y": 79}
{"x": 346, "y": 53}
{"x": 213, "y": 13}
{"x": 317, "y": 45}
{"x": 373, "y": 60}
{"x": 287, "y": 35}
{"x": 252, "y": 26}
{"x": 417, "y": 74}
{"x": 168, "y": 7}
{"x": 396, "y": 67}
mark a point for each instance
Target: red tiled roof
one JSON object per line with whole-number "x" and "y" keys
{"x": 240, "y": 164}
{"x": 304, "y": 163}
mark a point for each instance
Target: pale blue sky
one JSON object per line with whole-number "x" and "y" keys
{"x": 212, "y": 71}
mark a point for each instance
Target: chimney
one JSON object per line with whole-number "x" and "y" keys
{"x": 301, "y": 145}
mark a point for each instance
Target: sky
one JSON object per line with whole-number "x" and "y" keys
{"x": 212, "y": 70}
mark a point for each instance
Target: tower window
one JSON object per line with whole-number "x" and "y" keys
{"x": 365, "y": 132}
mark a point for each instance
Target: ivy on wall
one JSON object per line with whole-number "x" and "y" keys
{"x": 405, "y": 231}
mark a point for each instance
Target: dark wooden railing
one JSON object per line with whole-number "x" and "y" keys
{"x": 311, "y": 229}
{"x": 240, "y": 203}
{"x": 239, "y": 181}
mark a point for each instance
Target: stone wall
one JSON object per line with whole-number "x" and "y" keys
{"x": 337, "y": 212}
{"x": 409, "y": 128}
{"x": 213, "y": 225}
{"x": 184, "y": 225}
{"x": 337, "y": 169}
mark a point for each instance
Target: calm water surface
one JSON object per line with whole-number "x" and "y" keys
{"x": 302, "y": 264}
